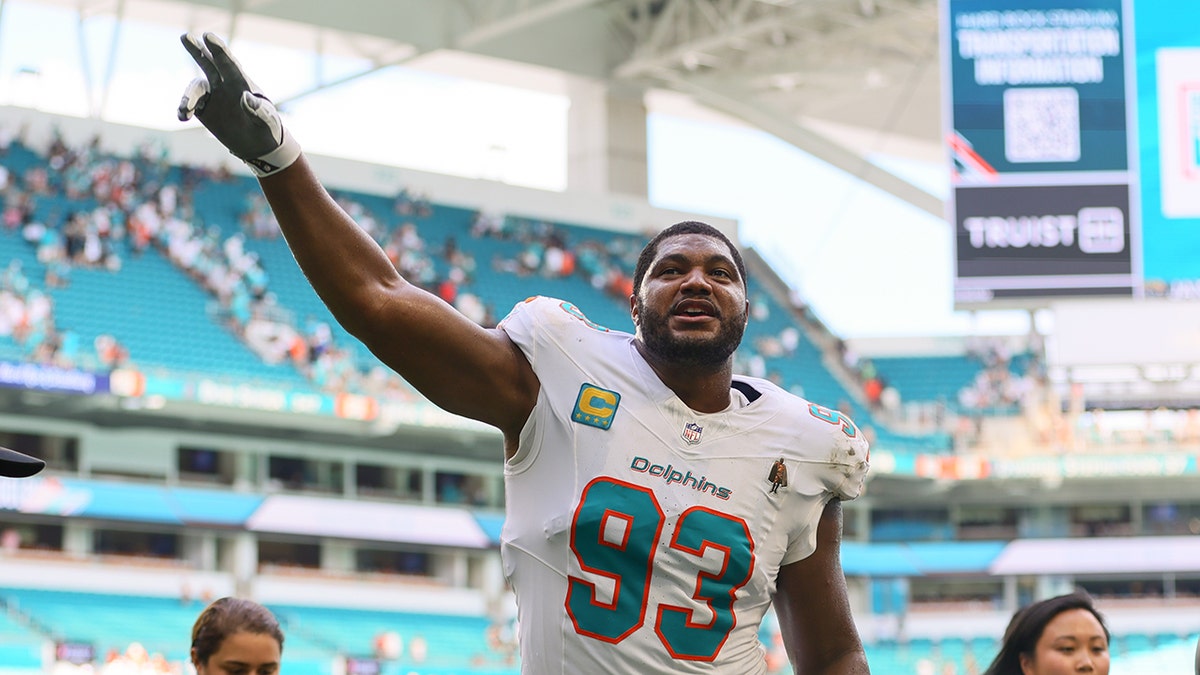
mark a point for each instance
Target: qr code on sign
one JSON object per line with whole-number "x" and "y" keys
{"x": 1041, "y": 125}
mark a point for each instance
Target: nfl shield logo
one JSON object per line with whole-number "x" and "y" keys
{"x": 691, "y": 432}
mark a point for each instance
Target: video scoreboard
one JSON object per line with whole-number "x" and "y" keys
{"x": 1073, "y": 132}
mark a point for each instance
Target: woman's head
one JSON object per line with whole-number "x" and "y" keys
{"x": 233, "y": 636}
{"x": 1060, "y": 635}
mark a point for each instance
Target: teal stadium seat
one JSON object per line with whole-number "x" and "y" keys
{"x": 20, "y": 646}
{"x": 928, "y": 378}
{"x": 161, "y": 625}
{"x": 932, "y": 379}
{"x": 454, "y": 643}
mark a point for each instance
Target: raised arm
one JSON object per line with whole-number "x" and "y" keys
{"x": 457, "y": 364}
{"x": 460, "y": 366}
{"x": 814, "y": 610}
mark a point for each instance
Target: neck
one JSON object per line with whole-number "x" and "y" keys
{"x": 704, "y": 389}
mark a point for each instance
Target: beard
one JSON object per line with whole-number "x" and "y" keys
{"x": 685, "y": 349}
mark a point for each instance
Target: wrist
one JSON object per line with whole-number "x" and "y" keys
{"x": 278, "y": 159}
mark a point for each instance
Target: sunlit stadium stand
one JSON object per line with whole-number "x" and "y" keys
{"x": 20, "y": 647}
{"x": 161, "y": 625}
{"x": 317, "y": 636}
{"x": 940, "y": 379}
{"x": 451, "y": 643}
{"x": 165, "y": 318}
{"x": 929, "y": 378}
{"x": 161, "y": 319}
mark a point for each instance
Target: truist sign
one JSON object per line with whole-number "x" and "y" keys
{"x": 1038, "y": 108}
{"x": 1030, "y": 241}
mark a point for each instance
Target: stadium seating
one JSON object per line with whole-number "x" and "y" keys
{"x": 164, "y": 320}
{"x": 20, "y": 646}
{"x": 928, "y": 378}
{"x": 161, "y": 625}
{"x": 314, "y": 636}
{"x": 453, "y": 643}
{"x": 1133, "y": 653}
{"x": 149, "y": 306}
{"x": 938, "y": 379}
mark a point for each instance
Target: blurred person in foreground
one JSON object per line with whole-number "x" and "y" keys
{"x": 234, "y": 636}
{"x": 1057, "y": 636}
{"x": 641, "y": 533}
{"x": 15, "y": 464}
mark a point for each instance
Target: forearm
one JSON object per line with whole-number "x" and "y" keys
{"x": 848, "y": 663}
{"x": 836, "y": 652}
{"x": 813, "y": 607}
{"x": 346, "y": 267}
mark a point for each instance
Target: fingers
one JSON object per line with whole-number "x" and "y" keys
{"x": 228, "y": 67}
{"x": 194, "y": 97}
{"x": 201, "y": 56}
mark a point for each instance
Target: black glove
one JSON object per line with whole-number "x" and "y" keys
{"x": 234, "y": 110}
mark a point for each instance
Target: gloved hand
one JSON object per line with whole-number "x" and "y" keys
{"x": 234, "y": 110}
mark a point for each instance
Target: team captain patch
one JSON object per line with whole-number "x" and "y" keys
{"x": 595, "y": 407}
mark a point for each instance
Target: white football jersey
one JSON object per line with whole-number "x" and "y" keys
{"x": 641, "y": 536}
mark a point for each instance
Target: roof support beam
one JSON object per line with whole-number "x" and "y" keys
{"x": 738, "y": 24}
{"x": 113, "y": 49}
{"x": 517, "y": 20}
{"x": 486, "y": 31}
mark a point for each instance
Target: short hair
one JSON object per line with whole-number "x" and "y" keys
{"x": 1028, "y": 624}
{"x": 681, "y": 228}
{"x": 227, "y": 616}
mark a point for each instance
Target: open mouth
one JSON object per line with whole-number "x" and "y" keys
{"x": 694, "y": 309}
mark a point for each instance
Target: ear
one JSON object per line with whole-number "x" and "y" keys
{"x": 1026, "y": 664}
{"x": 195, "y": 662}
{"x": 633, "y": 309}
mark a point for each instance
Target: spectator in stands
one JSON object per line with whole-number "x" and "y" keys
{"x": 110, "y": 352}
{"x": 235, "y": 636}
{"x": 10, "y": 540}
{"x": 418, "y": 649}
{"x": 1060, "y": 635}
{"x": 873, "y": 387}
{"x": 387, "y": 645}
{"x": 591, "y": 418}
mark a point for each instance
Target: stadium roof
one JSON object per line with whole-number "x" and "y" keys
{"x": 839, "y": 79}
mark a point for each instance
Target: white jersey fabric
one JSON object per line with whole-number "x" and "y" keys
{"x": 641, "y": 536}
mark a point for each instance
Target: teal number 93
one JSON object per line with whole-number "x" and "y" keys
{"x": 616, "y": 534}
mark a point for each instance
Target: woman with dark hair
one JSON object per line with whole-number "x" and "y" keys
{"x": 233, "y": 636}
{"x": 1061, "y": 635}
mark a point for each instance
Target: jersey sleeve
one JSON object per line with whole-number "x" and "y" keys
{"x": 839, "y": 474}
{"x": 522, "y": 325}
{"x": 544, "y": 327}
{"x": 852, "y": 459}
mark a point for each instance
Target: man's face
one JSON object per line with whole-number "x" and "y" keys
{"x": 691, "y": 309}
